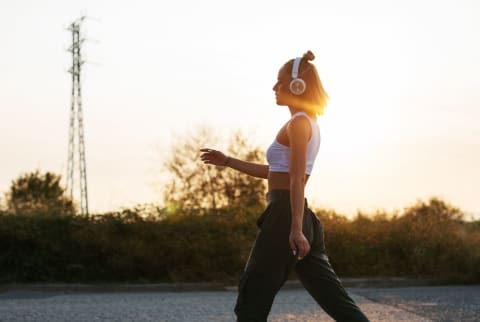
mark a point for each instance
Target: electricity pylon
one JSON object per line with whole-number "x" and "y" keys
{"x": 76, "y": 139}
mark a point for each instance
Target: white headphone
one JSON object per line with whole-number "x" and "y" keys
{"x": 297, "y": 85}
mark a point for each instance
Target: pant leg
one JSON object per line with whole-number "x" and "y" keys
{"x": 321, "y": 281}
{"x": 268, "y": 266}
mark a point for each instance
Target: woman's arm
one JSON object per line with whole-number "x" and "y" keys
{"x": 215, "y": 157}
{"x": 299, "y": 132}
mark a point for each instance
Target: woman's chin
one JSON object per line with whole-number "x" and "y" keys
{"x": 279, "y": 102}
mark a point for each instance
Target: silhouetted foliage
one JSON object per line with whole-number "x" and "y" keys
{"x": 134, "y": 245}
{"x": 38, "y": 193}
{"x": 428, "y": 239}
{"x": 195, "y": 185}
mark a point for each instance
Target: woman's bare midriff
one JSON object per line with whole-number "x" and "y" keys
{"x": 280, "y": 180}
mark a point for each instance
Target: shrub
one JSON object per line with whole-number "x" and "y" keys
{"x": 134, "y": 245}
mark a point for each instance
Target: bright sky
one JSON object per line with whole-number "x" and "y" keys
{"x": 402, "y": 123}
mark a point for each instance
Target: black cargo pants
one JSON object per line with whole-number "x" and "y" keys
{"x": 271, "y": 260}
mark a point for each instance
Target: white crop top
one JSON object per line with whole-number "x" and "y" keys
{"x": 278, "y": 155}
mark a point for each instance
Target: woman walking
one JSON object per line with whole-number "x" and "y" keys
{"x": 290, "y": 235}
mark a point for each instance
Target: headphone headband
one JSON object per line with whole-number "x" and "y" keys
{"x": 296, "y": 65}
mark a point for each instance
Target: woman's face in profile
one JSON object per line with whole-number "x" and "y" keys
{"x": 281, "y": 88}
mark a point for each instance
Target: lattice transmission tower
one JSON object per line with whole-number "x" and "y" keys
{"x": 76, "y": 139}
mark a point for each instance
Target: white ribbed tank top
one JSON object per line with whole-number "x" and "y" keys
{"x": 278, "y": 155}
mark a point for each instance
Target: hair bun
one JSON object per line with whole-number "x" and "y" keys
{"x": 309, "y": 56}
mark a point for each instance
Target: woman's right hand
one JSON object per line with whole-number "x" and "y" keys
{"x": 214, "y": 157}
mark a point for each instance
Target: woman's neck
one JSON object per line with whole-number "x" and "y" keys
{"x": 294, "y": 110}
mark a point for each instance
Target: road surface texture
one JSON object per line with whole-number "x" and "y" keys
{"x": 440, "y": 303}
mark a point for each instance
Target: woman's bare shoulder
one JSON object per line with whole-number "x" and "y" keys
{"x": 299, "y": 127}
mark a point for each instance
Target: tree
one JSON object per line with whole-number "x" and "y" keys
{"x": 241, "y": 189}
{"x": 435, "y": 210}
{"x": 194, "y": 185}
{"x": 37, "y": 193}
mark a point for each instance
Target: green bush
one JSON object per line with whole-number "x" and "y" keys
{"x": 426, "y": 240}
{"x": 135, "y": 245}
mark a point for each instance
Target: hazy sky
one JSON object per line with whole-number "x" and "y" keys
{"x": 403, "y": 77}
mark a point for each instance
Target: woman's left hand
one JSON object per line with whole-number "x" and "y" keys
{"x": 299, "y": 244}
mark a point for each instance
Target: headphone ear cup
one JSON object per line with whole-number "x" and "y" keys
{"x": 297, "y": 86}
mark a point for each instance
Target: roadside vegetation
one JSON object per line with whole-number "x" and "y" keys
{"x": 205, "y": 233}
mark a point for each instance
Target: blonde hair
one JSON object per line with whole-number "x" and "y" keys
{"x": 314, "y": 99}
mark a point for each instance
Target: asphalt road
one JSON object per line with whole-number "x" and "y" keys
{"x": 454, "y": 303}
{"x": 439, "y": 303}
